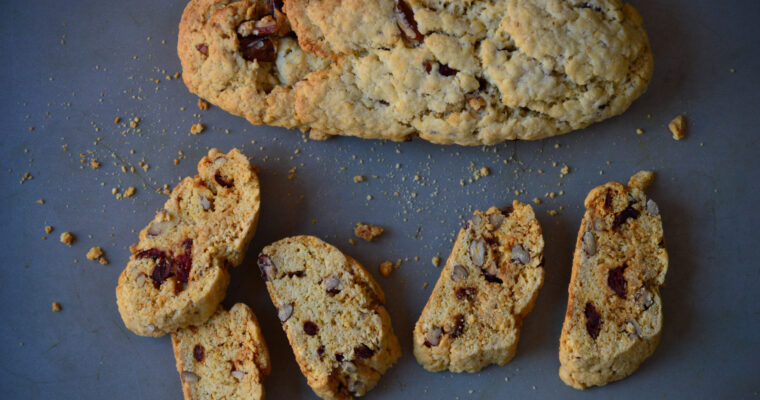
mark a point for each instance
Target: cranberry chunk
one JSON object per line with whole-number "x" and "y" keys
{"x": 202, "y": 48}
{"x": 616, "y": 280}
{"x": 198, "y": 353}
{"x": 310, "y": 328}
{"x": 363, "y": 351}
{"x": 458, "y": 329}
{"x": 161, "y": 272}
{"x": 465, "y": 292}
{"x": 445, "y": 70}
{"x": 620, "y": 219}
{"x": 221, "y": 181}
{"x": 593, "y": 320}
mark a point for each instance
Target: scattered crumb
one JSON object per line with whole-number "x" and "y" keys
{"x": 641, "y": 180}
{"x": 537, "y": 200}
{"x": 639, "y": 131}
{"x": 359, "y": 178}
{"x": 41, "y": 201}
{"x": 386, "y": 268}
{"x": 485, "y": 171}
{"x": 678, "y": 127}
{"x": 135, "y": 122}
{"x": 352, "y": 241}
{"x": 27, "y": 176}
{"x": 48, "y": 229}
{"x": 553, "y": 213}
{"x": 424, "y": 285}
{"x": 56, "y": 306}
{"x": 367, "y": 232}
{"x": 117, "y": 120}
{"x": 506, "y": 379}
{"x": 436, "y": 261}
{"x": 67, "y": 238}
{"x": 203, "y": 104}
{"x": 94, "y": 164}
{"x": 94, "y": 253}
{"x": 197, "y": 128}
{"x": 130, "y": 191}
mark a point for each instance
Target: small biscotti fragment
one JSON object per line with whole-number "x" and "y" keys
{"x": 177, "y": 274}
{"x": 489, "y": 283}
{"x": 332, "y": 312}
{"x": 225, "y": 358}
{"x": 614, "y": 311}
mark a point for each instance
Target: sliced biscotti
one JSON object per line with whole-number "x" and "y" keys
{"x": 489, "y": 283}
{"x": 332, "y": 312}
{"x": 225, "y": 358}
{"x": 177, "y": 274}
{"x": 614, "y": 311}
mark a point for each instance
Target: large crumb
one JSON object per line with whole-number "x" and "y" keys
{"x": 203, "y": 104}
{"x": 67, "y": 238}
{"x": 386, "y": 268}
{"x": 436, "y": 261}
{"x": 96, "y": 253}
{"x": 94, "y": 164}
{"x": 367, "y": 232}
{"x": 678, "y": 127}
{"x": 197, "y": 128}
{"x": 130, "y": 191}
{"x": 641, "y": 180}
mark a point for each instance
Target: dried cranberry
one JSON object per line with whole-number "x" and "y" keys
{"x": 338, "y": 357}
{"x": 608, "y": 201}
{"x": 491, "y": 277}
{"x": 465, "y": 292}
{"x": 310, "y": 328}
{"x": 445, "y": 70}
{"x": 508, "y": 210}
{"x": 616, "y": 280}
{"x": 593, "y": 320}
{"x": 406, "y": 23}
{"x": 267, "y": 267}
{"x": 458, "y": 329}
{"x": 620, "y": 219}
{"x": 427, "y": 65}
{"x": 257, "y": 48}
{"x": 161, "y": 272}
{"x": 183, "y": 263}
{"x": 363, "y": 351}
{"x": 198, "y": 353}
{"x": 321, "y": 351}
{"x": 202, "y": 48}
{"x": 151, "y": 253}
{"x": 220, "y": 180}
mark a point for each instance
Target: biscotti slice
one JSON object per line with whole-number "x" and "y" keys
{"x": 225, "y": 358}
{"x": 489, "y": 283}
{"x": 332, "y": 312}
{"x": 469, "y": 73}
{"x": 614, "y": 311}
{"x": 177, "y": 274}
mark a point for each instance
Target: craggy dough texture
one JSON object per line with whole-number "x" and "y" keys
{"x": 229, "y": 341}
{"x": 491, "y": 311}
{"x": 219, "y": 220}
{"x": 526, "y": 69}
{"x": 354, "y": 343}
{"x": 630, "y": 322}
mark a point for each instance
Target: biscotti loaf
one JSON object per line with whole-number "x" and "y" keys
{"x": 468, "y": 73}
{"x": 614, "y": 311}
{"x": 225, "y": 358}
{"x": 177, "y": 274}
{"x": 332, "y": 312}
{"x": 490, "y": 282}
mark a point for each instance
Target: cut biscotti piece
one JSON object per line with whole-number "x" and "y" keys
{"x": 614, "y": 311}
{"x": 489, "y": 283}
{"x": 177, "y": 274}
{"x": 469, "y": 73}
{"x": 332, "y": 312}
{"x": 225, "y": 358}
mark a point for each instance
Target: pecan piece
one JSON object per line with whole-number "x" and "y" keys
{"x": 458, "y": 273}
{"x": 267, "y": 267}
{"x": 202, "y": 48}
{"x": 445, "y": 70}
{"x": 257, "y": 48}
{"x": 406, "y": 23}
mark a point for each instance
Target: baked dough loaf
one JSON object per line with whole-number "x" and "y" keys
{"x": 490, "y": 282}
{"x": 225, "y": 358}
{"x": 614, "y": 311}
{"x": 450, "y": 72}
{"x": 177, "y": 274}
{"x": 332, "y": 312}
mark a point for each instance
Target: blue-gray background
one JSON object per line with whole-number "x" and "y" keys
{"x": 107, "y": 66}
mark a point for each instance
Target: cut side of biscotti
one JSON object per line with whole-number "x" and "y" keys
{"x": 177, "y": 273}
{"x": 225, "y": 358}
{"x": 489, "y": 283}
{"x": 471, "y": 73}
{"x": 614, "y": 310}
{"x": 332, "y": 312}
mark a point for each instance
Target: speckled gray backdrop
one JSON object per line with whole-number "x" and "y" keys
{"x": 69, "y": 68}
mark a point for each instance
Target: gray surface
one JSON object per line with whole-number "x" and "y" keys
{"x": 707, "y": 188}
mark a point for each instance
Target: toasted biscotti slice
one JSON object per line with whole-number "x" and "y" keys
{"x": 489, "y": 283}
{"x": 225, "y": 358}
{"x": 177, "y": 274}
{"x": 614, "y": 311}
{"x": 332, "y": 312}
{"x": 450, "y": 72}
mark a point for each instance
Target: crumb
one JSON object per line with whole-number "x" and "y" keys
{"x": 359, "y": 178}
{"x": 386, "y": 268}
{"x": 130, "y": 191}
{"x": 367, "y": 232}
{"x": 94, "y": 253}
{"x": 352, "y": 241}
{"x": 94, "y": 164}
{"x": 639, "y": 131}
{"x": 48, "y": 229}
{"x": 506, "y": 379}
{"x": 197, "y": 128}
{"x": 436, "y": 261}
{"x": 135, "y": 122}
{"x": 485, "y": 171}
{"x": 56, "y": 306}
{"x": 553, "y": 213}
{"x": 67, "y": 238}
{"x": 203, "y": 104}
{"x": 678, "y": 127}
{"x": 27, "y": 176}
{"x": 537, "y": 200}
{"x": 424, "y": 285}
{"x": 117, "y": 120}
{"x": 41, "y": 201}
{"x": 641, "y": 180}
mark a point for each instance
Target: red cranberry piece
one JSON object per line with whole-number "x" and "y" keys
{"x": 363, "y": 351}
{"x": 198, "y": 353}
{"x": 445, "y": 70}
{"x": 338, "y": 357}
{"x": 257, "y": 48}
{"x": 321, "y": 352}
{"x": 507, "y": 211}
{"x": 458, "y": 329}
{"x": 465, "y": 292}
{"x": 406, "y": 23}
{"x": 620, "y": 219}
{"x": 161, "y": 272}
{"x": 593, "y": 320}
{"x": 183, "y": 264}
{"x": 151, "y": 253}
{"x": 221, "y": 181}
{"x": 202, "y": 48}
{"x": 616, "y": 280}
{"x": 428, "y": 66}
{"x": 310, "y": 328}
{"x": 492, "y": 278}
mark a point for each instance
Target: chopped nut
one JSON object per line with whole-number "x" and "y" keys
{"x": 639, "y": 131}
{"x": 284, "y": 312}
{"x": 190, "y": 377}
{"x": 433, "y": 336}
{"x": 652, "y": 207}
{"x": 678, "y": 127}
{"x": 519, "y": 254}
{"x": 589, "y": 244}
{"x": 203, "y": 104}
{"x": 117, "y": 120}
{"x": 477, "y": 252}
{"x": 197, "y": 128}
{"x": 67, "y": 238}
{"x": 56, "y": 306}
{"x": 386, "y": 268}
{"x": 367, "y": 232}
{"x": 239, "y": 375}
{"x": 458, "y": 273}
{"x": 332, "y": 285}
